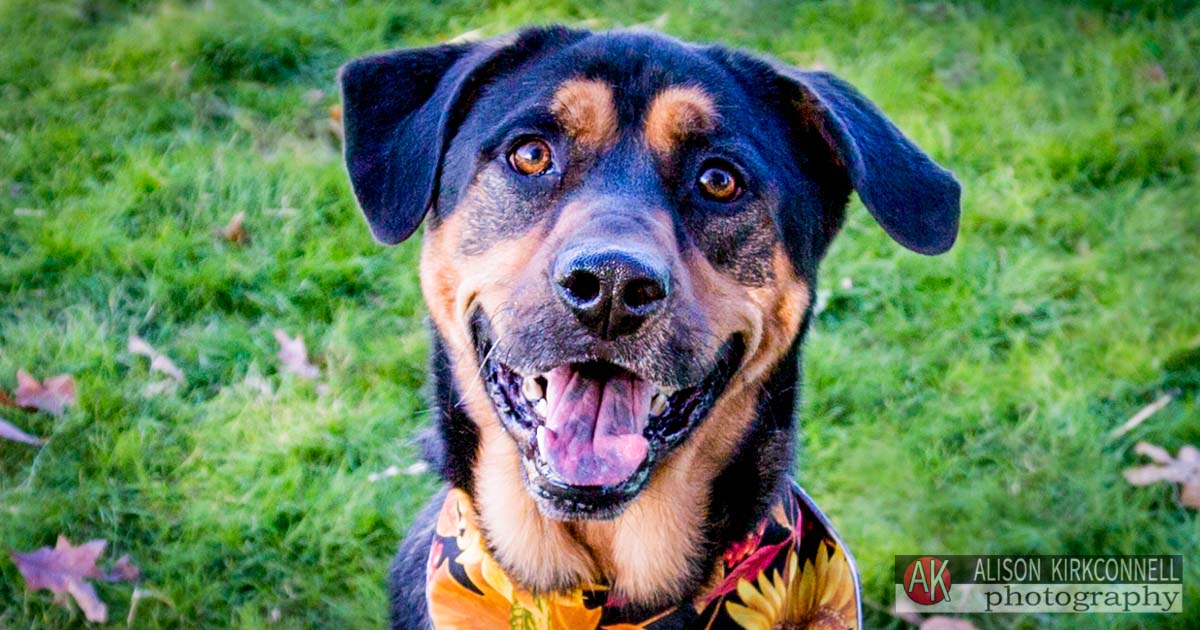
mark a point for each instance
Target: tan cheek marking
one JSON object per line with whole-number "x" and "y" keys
{"x": 440, "y": 277}
{"x": 586, "y": 111}
{"x": 776, "y": 311}
{"x": 451, "y": 284}
{"x": 676, "y": 113}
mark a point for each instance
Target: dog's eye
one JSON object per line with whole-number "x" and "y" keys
{"x": 531, "y": 157}
{"x": 719, "y": 183}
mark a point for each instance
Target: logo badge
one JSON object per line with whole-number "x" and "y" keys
{"x": 927, "y": 581}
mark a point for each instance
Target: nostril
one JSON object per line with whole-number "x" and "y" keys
{"x": 582, "y": 286}
{"x": 641, "y": 292}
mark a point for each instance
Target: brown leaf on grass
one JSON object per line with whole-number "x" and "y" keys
{"x": 1189, "y": 495}
{"x": 936, "y": 622}
{"x": 65, "y": 569}
{"x": 158, "y": 361}
{"x": 911, "y": 618}
{"x": 1153, "y": 73}
{"x": 294, "y": 356}
{"x": 62, "y": 571}
{"x": 6, "y": 400}
{"x": 52, "y": 396}
{"x": 942, "y": 622}
{"x": 1183, "y": 469}
{"x": 124, "y": 570}
{"x": 335, "y": 122}
{"x": 235, "y": 231}
{"x": 10, "y": 432}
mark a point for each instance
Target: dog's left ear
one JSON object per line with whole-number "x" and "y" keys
{"x": 913, "y": 199}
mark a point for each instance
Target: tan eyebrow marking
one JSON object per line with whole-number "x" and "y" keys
{"x": 676, "y": 113}
{"x": 586, "y": 110}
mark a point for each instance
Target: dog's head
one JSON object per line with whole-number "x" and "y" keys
{"x": 622, "y": 229}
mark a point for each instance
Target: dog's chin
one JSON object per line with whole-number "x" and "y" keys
{"x": 590, "y": 433}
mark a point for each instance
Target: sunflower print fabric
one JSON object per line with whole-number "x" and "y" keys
{"x": 792, "y": 572}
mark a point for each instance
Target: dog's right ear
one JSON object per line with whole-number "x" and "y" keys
{"x": 394, "y": 109}
{"x": 400, "y": 110}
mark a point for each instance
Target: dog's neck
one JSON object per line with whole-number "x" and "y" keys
{"x": 663, "y": 547}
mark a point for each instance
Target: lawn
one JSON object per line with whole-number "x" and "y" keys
{"x": 956, "y": 404}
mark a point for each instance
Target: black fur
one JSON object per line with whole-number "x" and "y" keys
{"x": 422, "y": 125}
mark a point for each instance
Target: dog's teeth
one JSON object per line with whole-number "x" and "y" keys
{"x": 541, "y": 408}
{"x": 658, "y": 405}
{"x": 532, "y": 389}
{"x": 666, "y": 391}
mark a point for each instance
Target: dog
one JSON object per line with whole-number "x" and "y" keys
{"x": 622, "y": 234}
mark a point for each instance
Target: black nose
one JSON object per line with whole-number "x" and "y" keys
{"x": 611, "y": 291}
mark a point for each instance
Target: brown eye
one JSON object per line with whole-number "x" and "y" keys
{"x": 531, "y": 157}
{"x": 719, "y": 184}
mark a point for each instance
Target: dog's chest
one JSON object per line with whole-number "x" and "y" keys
{"x": 791, "y": 569}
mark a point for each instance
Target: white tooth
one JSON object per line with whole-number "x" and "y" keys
{"x": 658, "y": 405}
{"x": 541, "y": 408}
{"x": 666, "y": 391}
{"x": 532, "y": 389}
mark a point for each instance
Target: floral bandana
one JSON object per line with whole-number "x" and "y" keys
{"x": 792, "y": 571}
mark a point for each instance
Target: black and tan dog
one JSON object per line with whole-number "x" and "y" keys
{"x": 621, "y": 249}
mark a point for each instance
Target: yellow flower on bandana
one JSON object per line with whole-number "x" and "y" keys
{"x": 821, "y": 597}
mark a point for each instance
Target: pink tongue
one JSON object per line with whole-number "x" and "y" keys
{"x": 593, "y": 432}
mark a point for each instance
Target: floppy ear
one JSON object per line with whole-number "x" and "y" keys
{"x": 394, "y": 110}
{"x": 400, "y": 110}
{"x": 915, "y": 200}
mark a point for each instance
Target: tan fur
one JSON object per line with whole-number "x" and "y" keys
{"x": 586, "y": 111}
{"x": 538, "y": 552}
{"x": 643, "y": 552}
{"x": 676, "y": 113}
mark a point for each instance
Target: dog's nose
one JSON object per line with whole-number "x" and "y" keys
{"x": 611, "y": 291}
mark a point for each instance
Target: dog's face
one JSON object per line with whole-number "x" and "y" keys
{"x": 623, "y": 231}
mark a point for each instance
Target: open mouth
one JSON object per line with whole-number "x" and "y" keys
{"x": 590, "y": 432}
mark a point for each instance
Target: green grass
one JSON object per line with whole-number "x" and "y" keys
{"x": 956, "y": 404}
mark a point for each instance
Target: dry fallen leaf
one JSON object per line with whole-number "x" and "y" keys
{"x": 294, "y": 356}
{"x": 235, "y": 230}
{"x": 942, "y": 622}
{"x": 335, "y": 121}
{"x": 64, "y": 569}
{"x": 124, "y": 570}
{"x": 158, "y": 361}
{"x": 10, "y": 432}
{"x": 52, "y": 396}
{"x": 1153, "y": 73}
{"x": 1183, "y": 469}
{"x": 908, "y": 617}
